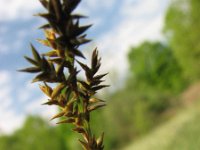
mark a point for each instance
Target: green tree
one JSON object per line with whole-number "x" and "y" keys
{"x": 153, "y": 65}
{"x": 182, "y": 30}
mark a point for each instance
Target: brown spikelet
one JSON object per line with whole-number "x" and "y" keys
{"x": 57, "y": 69}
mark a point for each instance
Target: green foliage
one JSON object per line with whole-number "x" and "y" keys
{"x": 153, "y": 65}
{"x": 187, "y": 136}
{"x": 36, "y": 134}
{"x": 182, "y": 30}
{"x": 181, "y": 132}
{"x": 155, "y": 81}
{"x": 75, "y": 97}
{"x": 132, "y": 113}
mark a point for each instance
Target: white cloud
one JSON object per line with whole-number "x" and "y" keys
{"x": 23, "y": 9}
{"x": 8, "y": 118}
{"x": 131, "y": 31}
{"x": 26, "y": 99}
{"x": 5, "y": 77}
{"x": 35, "y": 107}
{"x": 17, "y": 9}
{"x": 91, "y": 6}
{"x": 98, "y": 4}
{"x": 10, "y": 121}
{"x": 137, "y": 9}
{"x": 28, "y": 90}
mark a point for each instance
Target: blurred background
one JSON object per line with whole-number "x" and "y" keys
{"x": 151, "y": 50}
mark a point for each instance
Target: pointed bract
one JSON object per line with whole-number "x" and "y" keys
{"x": 35, "y": 54}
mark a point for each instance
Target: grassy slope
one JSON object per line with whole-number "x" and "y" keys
{"x": 182, "y": 132}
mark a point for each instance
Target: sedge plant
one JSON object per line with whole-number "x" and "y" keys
{"x": 58, "y": 66}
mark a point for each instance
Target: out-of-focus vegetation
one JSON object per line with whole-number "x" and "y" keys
{"x": 180, "y": 133}
{"x": 159, "y": 73}
{"x": 152, "y": 89}
{"x": 37, "y": 134}
{"x": 154, "y": 66}
{"x": 182, "y": 30}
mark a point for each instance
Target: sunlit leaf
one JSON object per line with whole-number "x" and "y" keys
{"x": 52, "y": 53}
{"x": 58, "y": 115}
{"x": 95, "y": 100}
{"x": 96, "y": 106}
{"x": 57, "y": 90}
{"x": 100, "y": 140}
{"x": 51, "y": 102}
{"x": 66, "y": 121}
{"x": 43, "y": 42}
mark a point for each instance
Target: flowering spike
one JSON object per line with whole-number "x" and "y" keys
{"x": 64, "y": 36}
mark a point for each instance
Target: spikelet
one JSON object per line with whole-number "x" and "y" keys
{"x": 76, "y": 98}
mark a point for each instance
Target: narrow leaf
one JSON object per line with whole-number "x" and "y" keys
{"x": 69, "y": 6}
{"x": 57, "y": 90}
{"x": 78, "y": 53}
{"x": 85, "y": 85}
{"x": 31, "y": 70}
{"x": 45, "y": 26}
{"x": 84, "y": 66}
{"x": 80, "y": 41}
{"x": 96, "y": 106}
{"x": 100, "y": 140}
{"x": 95, "y": 100}
{"x": 98, "y": 77}
{"x": 96, "y": 88}
{"x": 84, "y": 145}
{"x": 79, "y": 130}
{"x": 80, "y": 30}
{"x": 57, "y": 8}
{"x": 31, "y": 60}
{"x": 51, "y": 102}
{"x": 58, "y": 115}
{"x": 56, "y": 60}
{"x": 35, "y": 54}
{"x": 52, "y": 53}
{"x": 41, "y": 77}
{"x": 78, "y": 16}
{"x": 46, "y": 89}
{"x": 45, "y": 15}
{"x": 66, "y": 121}
{"x": 44, "y": 42}
{"x": 44, "y": 3}
{"x": 94, "y": 58}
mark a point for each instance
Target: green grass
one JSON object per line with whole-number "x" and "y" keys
{"x": 182, "y": 132}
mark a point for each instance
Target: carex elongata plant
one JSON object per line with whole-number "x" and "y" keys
{"x": 75, "y": 96}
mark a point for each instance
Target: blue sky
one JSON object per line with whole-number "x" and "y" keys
{"x": 117, "y": 26}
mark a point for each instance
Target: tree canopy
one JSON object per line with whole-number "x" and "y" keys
{"x": 182, "y": 30}
{"x": 153, "y": 65}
